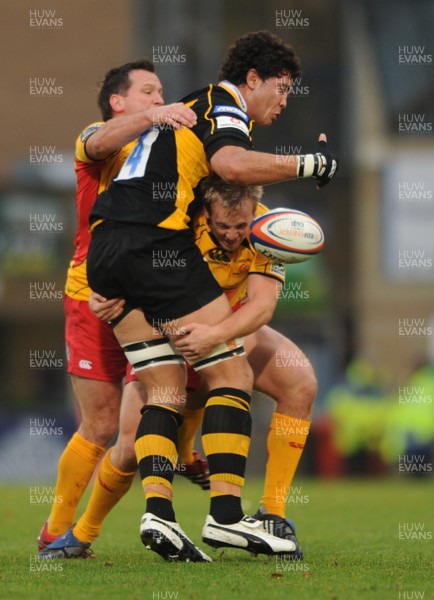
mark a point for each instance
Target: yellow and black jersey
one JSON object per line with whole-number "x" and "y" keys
{"x": 231, "y": 269}
{"x": 156, "y": 185}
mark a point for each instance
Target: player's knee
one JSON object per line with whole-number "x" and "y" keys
{"x": 226, "y": 363}
{"x": 101, "y": 430}
{"x": 295, "y": 392}
{"x": 123, "y": 454}
{"x": 98, "y": 437}
{"x": 309, "y": 387}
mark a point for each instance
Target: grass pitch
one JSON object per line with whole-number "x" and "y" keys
{"x": 362, "y": 539}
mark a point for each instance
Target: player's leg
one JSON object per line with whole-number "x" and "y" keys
{"x": 96, "y": 365}
{"x": 115, "y": 473}
{"x": 81, "y": 455}
{"x": 117, "y": 469}
{"x": 162, "y": 373}
{"x": 229, "y": 379}
{"x": 285, "y": 374}
{"x": 113, "y": 479}
{"x": 192, "y": 465}
{"x": 226, "y": 438}
{"x": 116, "y": 267}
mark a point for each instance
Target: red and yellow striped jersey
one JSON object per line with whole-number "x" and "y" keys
{"x": 93, "y": 177}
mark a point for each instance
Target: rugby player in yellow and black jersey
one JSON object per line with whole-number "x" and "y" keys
{"x": 154, "y": 195}
{"x": 133, "y": 226}
{"x": 251, "y": 283}
{"x": 156, "y": 184}
{"x": 231, "y": 267}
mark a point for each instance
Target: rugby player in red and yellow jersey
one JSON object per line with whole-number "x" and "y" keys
{"x": 251, "y": 283}
{"x": 131, "y": 102}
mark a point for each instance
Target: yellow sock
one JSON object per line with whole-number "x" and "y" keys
{"x": 109, "y": 487}
{"x": 285, "y": 444}
{"x": 187, "y": 434}
{"x": 76, "y": 467}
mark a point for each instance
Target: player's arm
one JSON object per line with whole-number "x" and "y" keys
{"x": 119, "y": 131}
{"x": 262, "y": 293}
{"x": 241, "y": 166}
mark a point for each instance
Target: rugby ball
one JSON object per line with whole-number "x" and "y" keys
{"x": 286, "y": 235}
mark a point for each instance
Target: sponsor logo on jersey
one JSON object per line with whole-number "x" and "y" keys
{"x": 225, "y": 122}
{"x": 217, "y": 255}
{"x": 243, "y": 267}
{"x": 278, "y": 269}
{"x": 85, "y": 364}
{"x": 231, "y": 109}
{"x": 88, "y": 132}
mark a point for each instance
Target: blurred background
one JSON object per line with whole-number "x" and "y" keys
{"x": 362, "y": 311}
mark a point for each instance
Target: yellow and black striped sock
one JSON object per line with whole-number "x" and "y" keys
{"x": 226, "y": 433}
{"x": 157, "y": 456}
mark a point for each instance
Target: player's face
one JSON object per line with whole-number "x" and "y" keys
{"x": 269, "y": 99}
{"x": 228, "y": 227}
{"x": 144, "y": 92}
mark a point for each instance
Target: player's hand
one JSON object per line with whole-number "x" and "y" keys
{"x": 104, "y": 309}
{"x": 196, "y": 341}
{"x": 327, "y": 163}
{"x": 176, "y": 115}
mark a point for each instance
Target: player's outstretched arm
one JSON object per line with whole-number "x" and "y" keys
{"x": 239, "y": 166}
{"x": 121, "y": 130}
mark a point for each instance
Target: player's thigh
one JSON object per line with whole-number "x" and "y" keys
{"x": 135, "y": 328}
{"x": 277, "y": 363}
{"x": 157, "y": 366}
{"x": 230, "y": 372}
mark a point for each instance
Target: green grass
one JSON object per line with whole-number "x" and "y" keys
{"x": 349, "y": 531}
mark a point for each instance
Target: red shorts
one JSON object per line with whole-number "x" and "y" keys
{"x": 92, "y": 349}
{"x": 193, "y": 379}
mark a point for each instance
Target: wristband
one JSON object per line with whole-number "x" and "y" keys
{"x": 307, "y": 165}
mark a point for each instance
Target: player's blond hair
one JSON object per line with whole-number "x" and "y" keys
{"x": 216, "y": 190}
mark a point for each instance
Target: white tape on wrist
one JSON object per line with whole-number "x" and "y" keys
{"x": 306, "y": 165}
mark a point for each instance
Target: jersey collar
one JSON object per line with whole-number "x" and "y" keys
{"x": 234, "y": 91}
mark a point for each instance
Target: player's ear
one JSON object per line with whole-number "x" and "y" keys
{"x": 116, "y": 103}
{"x": 252, "y": 79}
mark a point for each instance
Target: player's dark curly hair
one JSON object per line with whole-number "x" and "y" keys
{"x": 260, "y": 50}
{"x": 117, "y": 81}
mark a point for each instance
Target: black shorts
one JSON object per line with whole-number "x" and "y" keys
{"x": 158, "y": 270}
